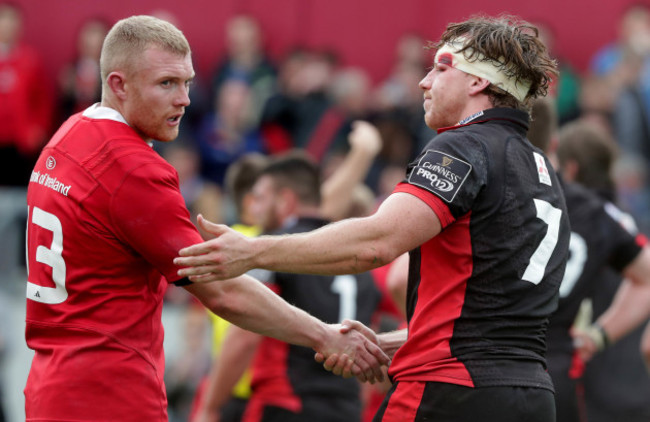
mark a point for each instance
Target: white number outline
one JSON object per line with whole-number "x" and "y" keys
{"x": 539, "y": 260}
{"x": 575, "y": 264}
{"x": 52, "y": 256}
{"x": 346, "y": 287}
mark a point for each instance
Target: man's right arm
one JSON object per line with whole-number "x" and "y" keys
{"x": 249, "y": 304}
{"x": 402, "y": 223}
{"x": 389, "y": 343}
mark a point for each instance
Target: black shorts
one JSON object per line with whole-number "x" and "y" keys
{"x": 442, "y": 402}
{"x": 320, "y": 408}
{"x": 569, "y": 392}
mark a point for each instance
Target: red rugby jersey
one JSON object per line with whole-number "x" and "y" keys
{"x": 105, "y": 220}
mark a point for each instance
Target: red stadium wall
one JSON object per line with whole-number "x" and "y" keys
{"x": 363, "y": 32}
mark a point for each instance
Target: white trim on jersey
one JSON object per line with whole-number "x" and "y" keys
{"x": 96, "y": 111}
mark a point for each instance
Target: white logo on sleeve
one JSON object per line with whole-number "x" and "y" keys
{"x": 440, "y": 173}
{"x": 542, "y": 170}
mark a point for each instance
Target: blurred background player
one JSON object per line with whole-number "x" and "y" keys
{"x": 615, "y": 383}
{"x": 287, "y": 385}
{"x": 601, "y": 246}
{"x": 342, "y": 194}
{"x": 25, "y": 101}
{"x": 239, "y": 180}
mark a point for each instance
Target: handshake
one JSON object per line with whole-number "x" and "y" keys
{"x": 359, "y": 352}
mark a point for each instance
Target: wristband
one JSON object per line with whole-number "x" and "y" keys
{"x": 599, "y": 336}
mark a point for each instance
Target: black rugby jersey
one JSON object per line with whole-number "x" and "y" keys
{"x": 480, "y": 293}
{"x": 599, "y": 241}
{"x": 284, "y": 374}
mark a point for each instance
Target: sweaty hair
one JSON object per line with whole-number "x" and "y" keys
{"x": 130, "y": 37}
{"x": 297, "y": 172}
{"x": 543, "y": 123}
{"x": 514, "y": 44}
{"x": 593, "y": 149}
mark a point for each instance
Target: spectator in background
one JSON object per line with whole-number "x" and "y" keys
{"x": 597, "y": 100}
{"x": 25, "y": 101}
{"x": 349, "y": 92}
{"x": 396, "y": 110}
{"x": 201, "y": 196}
{"x": 227, "y": 132}
{"x": 301, "y": 114}
{"x": 397, "y": 90}
{"x": 633, "y": 40}
{"x": 566, "y": 87}
{"x": 184, "y": 373}
{"x": 625, "y": 64}
{"x": 245, "y": 59}
{"x": 80, "y": 83}
{"x": 398, "y": 99}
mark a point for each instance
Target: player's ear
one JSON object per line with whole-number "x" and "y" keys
{"x": 477, "y": 84}
{"x": 117, "y": 84}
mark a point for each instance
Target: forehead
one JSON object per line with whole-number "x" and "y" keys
{"x": 264, "y": 184}
{"x": 160, "y": 62}
{"x": 445, "y": 58}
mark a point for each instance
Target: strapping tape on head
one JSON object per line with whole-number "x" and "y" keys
{"x": 482, "y": 67}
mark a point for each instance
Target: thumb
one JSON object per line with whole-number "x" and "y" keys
{"x": 210, "y": 227}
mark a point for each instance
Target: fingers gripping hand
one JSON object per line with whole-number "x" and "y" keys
{"x": 356, "y": 355}
{"x": 348, "y": 324}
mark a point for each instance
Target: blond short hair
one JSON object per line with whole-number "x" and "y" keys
{"x": 130, "y": 37}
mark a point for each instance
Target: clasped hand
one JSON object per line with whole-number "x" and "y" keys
{"x": 363, "y": 360}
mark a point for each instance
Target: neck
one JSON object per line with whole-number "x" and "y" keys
{"x": 476, "y": 105}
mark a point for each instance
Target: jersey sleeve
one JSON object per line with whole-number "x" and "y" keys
{"x": 149, "y": 214}
{"x": 448, "y": 176}
{"x": 625, "y": 244}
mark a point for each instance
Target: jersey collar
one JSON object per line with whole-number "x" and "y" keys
{"x": 501, "y": 113}
{"x": 96, "y": 111}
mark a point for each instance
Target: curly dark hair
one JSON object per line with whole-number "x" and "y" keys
{"x": 513, "y": 43}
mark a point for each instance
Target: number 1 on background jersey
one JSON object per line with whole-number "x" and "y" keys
{"x": 346, "y": 287}
{"x": 51, "y": 256}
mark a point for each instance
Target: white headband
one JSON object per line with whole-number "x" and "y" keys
{"x": 483, "y": 68}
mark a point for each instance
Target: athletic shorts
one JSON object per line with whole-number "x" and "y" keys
{"x": 321, "y": 408}
{"x": 442, "y": 402}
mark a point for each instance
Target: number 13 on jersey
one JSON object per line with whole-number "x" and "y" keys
{"x": 51, "y": 256}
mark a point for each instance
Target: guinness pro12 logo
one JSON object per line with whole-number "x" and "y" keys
{"x": 440, "y": 173}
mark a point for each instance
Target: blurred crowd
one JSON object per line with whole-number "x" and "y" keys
{"x": 307, "y": 100}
